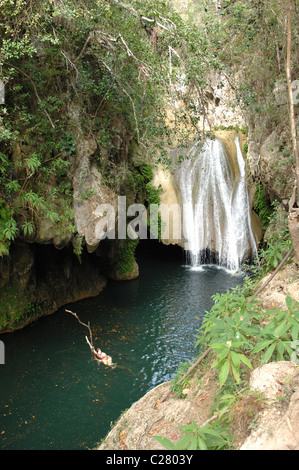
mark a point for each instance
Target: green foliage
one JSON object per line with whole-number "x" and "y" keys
{"x": 178, "y": 384}
{"x": 233, "y": 317}
{"x": 262, "y": 206}
{"x": 228, "y": 329}
{"x": 152, "y": 194}
{"x": 28, "y": 228}
{"x": 12, "y": 305}
{"x": 8, "y": 228}
{"x": 276, "y": 338}
{"x": 236, "y": 327}
{"x": 33, "y": 163}
{"x": 277, "y": 239}
{"x": 126, "y": 256}
{"x": 272, "y": 255}
{"x": 229, "y": 360}
{"x": 247, "y": 37}
{"x": 224, "y": 402}
{"x": 104, "y": 72}
{"x": 78, "y": 246}
{"x": 196, "y": 438}
{"x": 147, "y": 173}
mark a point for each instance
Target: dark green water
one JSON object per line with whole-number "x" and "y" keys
{"x": 54, "y": 396}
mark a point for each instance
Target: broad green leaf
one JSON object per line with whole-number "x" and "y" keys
{"x": 224, "y": 372}
{"x": 215, "y": 364}
{"x": 268, "y": 354}
{"x": 193, "y": 444}
{"x": 281, "y": 329}
{"x": 262, "y": 345}
{"x": 222, "y": 355}
{"x": 186, "y": 428}
{"x": 218, "y": 346}
{"x": 201, "y": 444}
{"x": 235, "y": 358}
{"x": 165, "y": 442}
{"x": 207, "y": 429}
{"x": 236, "y": 372}
{"x": 289, "y": 301}
{"x": 294, "y": 329}
{"x": 287, "y": 345}
{"x": 237, "y": 344}
{"x": 245, "y": 360}
{"x": 183, "y": 443}
{"x": 280, "y": 349}
{"x": 227, "y": 396}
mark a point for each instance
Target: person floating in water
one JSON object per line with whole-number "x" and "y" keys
{"x": 99, "y": 355}
{"x": 103, "y": 357}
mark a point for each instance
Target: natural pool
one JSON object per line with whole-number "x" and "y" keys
{"x": 53, "y": 395}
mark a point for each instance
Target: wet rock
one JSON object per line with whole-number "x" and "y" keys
{"x": 40, "y": 279}
{"x": 118, "y": 275}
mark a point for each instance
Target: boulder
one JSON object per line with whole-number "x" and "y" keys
{"x": 278, "y": 425}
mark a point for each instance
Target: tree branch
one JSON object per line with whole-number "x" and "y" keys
{"x": 35, "y": 90}
{"x": 130, "y": 98}
{"x": 290, "y": 92}
{"x": 275, "y": 272}
{"x": 84, "y": 324}
{"x": 100, "y": 356}
{"x": 201, "y": 358}
{"x": 83, "y": 48}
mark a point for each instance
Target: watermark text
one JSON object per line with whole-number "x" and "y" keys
{"x": 137, "y": 221}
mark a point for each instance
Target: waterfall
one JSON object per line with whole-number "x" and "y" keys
{"x": 215, "y": 202}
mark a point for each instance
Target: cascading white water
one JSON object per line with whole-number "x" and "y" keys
{"x": 216, "y": 211}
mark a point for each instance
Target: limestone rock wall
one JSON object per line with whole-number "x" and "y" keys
{"x": 36, "y": 280}
{"x": 278, "y": 425}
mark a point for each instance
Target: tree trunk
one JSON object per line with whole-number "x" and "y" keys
{"x": 294, "y": 202}
{"x": 291, "y": 100}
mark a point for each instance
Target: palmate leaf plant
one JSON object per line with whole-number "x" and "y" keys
{"x": 229, "y": 360}
{"x": 237, "y": 326}
{"x": 196, "y": 438}
{"x": 275, "y": 340}
{"x": 8, "y": 228}
{"x": 233, "y": 317}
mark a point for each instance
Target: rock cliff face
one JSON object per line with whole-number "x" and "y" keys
{"x": 36, "y": 280}
{"x": 269, "y": 151}
{"x": 267, "y": 159}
